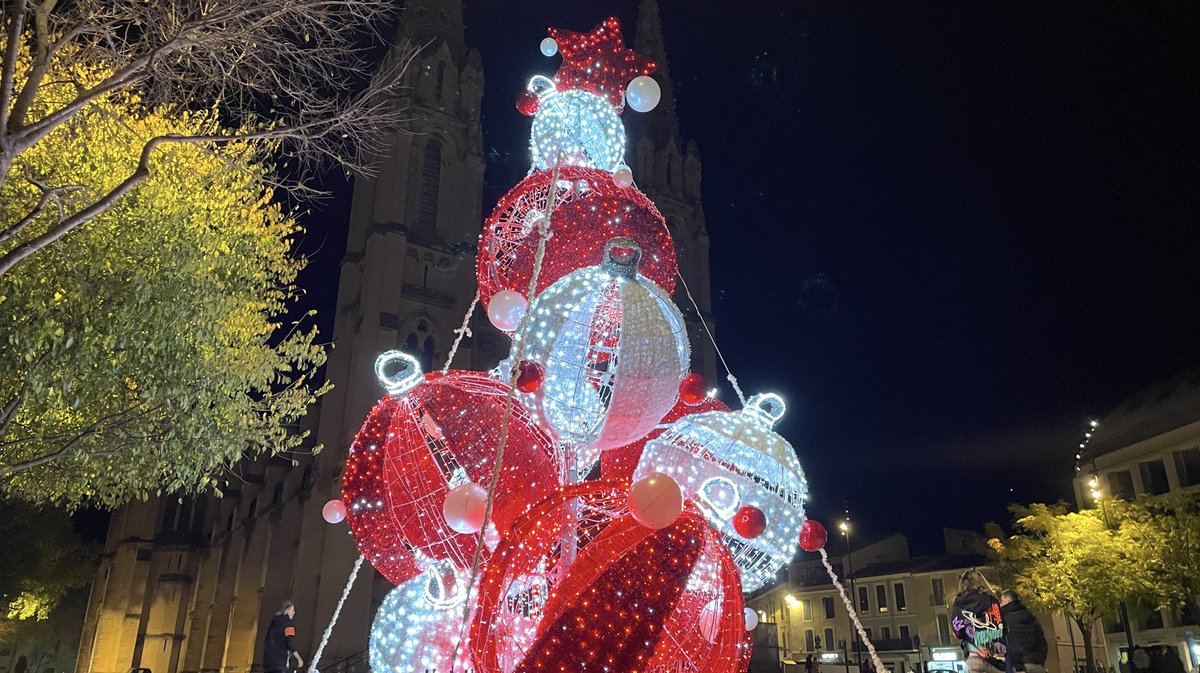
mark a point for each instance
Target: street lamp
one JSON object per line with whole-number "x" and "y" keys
{"x": 844, "y": 526}
{"x": 1097, "y": 496}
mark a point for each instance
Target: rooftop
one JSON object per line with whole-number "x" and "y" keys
{"x": 1156, "y": 410}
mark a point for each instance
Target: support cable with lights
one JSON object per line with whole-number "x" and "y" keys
{"x": 522, "y": 337}
{"x": 862, "y": 633}
{"x": 312, "y": 665}
{"x": 464, "y": 330}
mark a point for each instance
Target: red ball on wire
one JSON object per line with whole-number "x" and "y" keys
{"x": 693, "y": 389}
{"x": 813, "y": 535}
{"x": 529, "y": 376}
{"x": 527, "y": 103}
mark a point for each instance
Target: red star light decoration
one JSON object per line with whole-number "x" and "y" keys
{"x": 598, "y": 61}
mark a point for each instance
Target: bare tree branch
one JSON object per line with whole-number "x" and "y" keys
{"x": 48, "y": 194}
{"x": 12, "y": 43}
{"x": 98, "y": 426}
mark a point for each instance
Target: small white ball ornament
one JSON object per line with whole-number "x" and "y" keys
{"x": 710, "y": 620}
{"x": 506, "y": 310}
{"x": 549, "y": 47}
{"x": 465, "y": 508}
{"x": 655, "y": 501}
{"x": 751, "y": 618}
{"x": 623, "y": 177}
{"x": 643, "y": 93}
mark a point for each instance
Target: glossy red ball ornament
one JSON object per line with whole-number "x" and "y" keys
{"x": 527, "y": 103}
{"x": 813, "y": 535}
{"x": 750, "y": 522}
{"x": 589, "y": 210}
{"x": 529, "y": 376}
{"x": 693, "y": 389}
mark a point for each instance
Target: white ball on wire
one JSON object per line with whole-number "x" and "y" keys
{"x": 751, "y": 618}
{"x": 623, "y": 176}
{"x": 465, "y": 508}
{"x": 506, "y": 309}
{"x": 643, "y": 93}
{"x": 549, "y": 47}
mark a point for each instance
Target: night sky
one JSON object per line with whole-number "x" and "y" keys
{"x": 949, "y": 234}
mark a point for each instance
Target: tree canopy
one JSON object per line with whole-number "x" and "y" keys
{"x": 146, "y": 350}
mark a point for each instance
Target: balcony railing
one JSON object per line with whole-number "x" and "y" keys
{"x": 890, "y": 645}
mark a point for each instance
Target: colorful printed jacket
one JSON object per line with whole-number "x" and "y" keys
{"x": 976, "y": 622}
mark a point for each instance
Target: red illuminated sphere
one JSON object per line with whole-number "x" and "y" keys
{"x": 443, "y": 434}
{"x": 693, "y": 389}
{"x": 527, "y": 103}
{"x": 529, "y": 376}
{"x": 364, "y": 488}
{"x": 618, "y": 464}
{"x": 813, "y": 535}
{"x": 749, "y": 522}
{"x": 589, "y": 210}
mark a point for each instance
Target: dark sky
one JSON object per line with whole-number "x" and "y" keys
{"x": 948, "y": 233}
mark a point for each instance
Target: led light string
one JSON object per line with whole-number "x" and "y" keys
{"x": 510, "y": 399}
{"x": 312, "y": 665}
{"x": 850, "y": 609}
{"x": 464, "y": 330}
{"x": 713, "y": 340}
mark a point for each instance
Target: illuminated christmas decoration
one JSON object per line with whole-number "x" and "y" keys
{"x": 618, "y": 464}
{"x": 728, "y": 460}
{"x": 614, "y": 348}
{"x": 598, "y": 61}
{"x": 589, "y": 209}
{"x": 576, "y": 128}
{"x": 441, "y": 436}
{"x": 418, "y": 626}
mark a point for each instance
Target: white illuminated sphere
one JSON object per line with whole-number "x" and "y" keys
{"x": 506, "y": 309}
{"x": 465, "y": 507}
{"x": 623, "y": 176}
{"x": 643, "y": 93}
{"x": 614, "y": 349}
{"x": 549, "y": 47}
{"x": 751, "y": 618}
{"x": 725, "y": 460}
{"x": 579, "y": 126}
{"x": 416, "y": 629}
{"x": 710, "y": 620}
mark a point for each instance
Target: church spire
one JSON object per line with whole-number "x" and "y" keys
{"x": 661, "y": 124}
{"x": 425, "y": 21}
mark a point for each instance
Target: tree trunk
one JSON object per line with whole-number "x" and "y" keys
{"x": 1085, "y": 630}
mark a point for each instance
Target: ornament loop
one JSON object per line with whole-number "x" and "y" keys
{"x": 541, "y": 86}
{"x": 766, "y": 407}
{"x": 407, "y": 376}
{"x": 621, "y": 256}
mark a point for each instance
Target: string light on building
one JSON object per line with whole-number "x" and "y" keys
{"x": 1083, "y": 442}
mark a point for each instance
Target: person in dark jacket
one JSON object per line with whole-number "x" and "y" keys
{"x": 1023, "y": 635}
{"x": 281, "y": 641}
{"x": 976, "y": 622}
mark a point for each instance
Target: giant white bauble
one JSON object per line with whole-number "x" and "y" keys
{"x": 578, "y": 127}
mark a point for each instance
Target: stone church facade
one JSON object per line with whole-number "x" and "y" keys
{"x": 186, "y": 585}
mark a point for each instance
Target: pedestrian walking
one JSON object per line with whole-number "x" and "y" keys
{"x": 280, "y": 647}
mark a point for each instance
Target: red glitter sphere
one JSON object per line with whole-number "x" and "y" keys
{"x": 693, "y": 389}
{"x": 749, "y": 522}
{"x": 813, "y": 535}
{"x": 527, "y": 103}
{"x": 442, "y": 435}
{"x": 589, "y": 210}
{"x": 618, "y": 464}
{"x": 529, "y": 376}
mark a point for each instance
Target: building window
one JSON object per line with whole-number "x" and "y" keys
{"x": 901, "y": 599}
{"x": 1120, "y": 485}
{"x": 881, "y": 597}
{"x": 808, "y": 613}
{"x": 886, "y": 633}
{"x": 1154, "y": 477}
{"x": 1187, "y": 466}
{"x": 810, "y": 643}
{"x": 439, "y": 82}
{"x": 431, "y": 175}
{"x": 943, "y": 630}
{"x": 827, "y": 603}
{"x": 903, "y": 632}
{"x": 829, "y": 642}
{"x": 939, "y": 592}
{"x": 863, "y": 604}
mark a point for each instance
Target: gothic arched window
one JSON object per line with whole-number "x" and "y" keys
{"x": 431, "y": 174}
{"x": 437, "y": 83}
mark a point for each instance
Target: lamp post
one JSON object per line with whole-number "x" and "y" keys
{"x": 1097, "y": 496}
{"x": 844, "y": 526}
